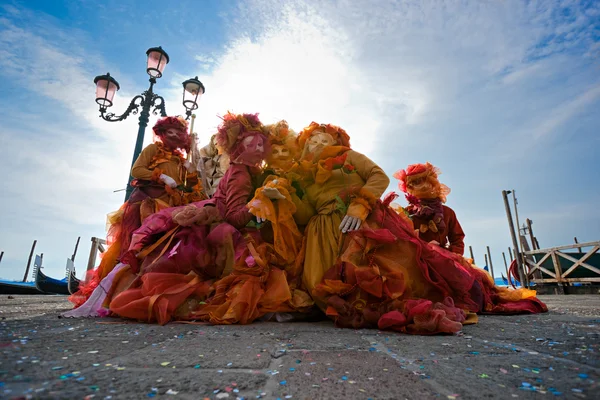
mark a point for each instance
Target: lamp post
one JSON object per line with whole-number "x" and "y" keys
{"x": 107, "y": 86}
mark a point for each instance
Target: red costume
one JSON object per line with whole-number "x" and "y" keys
{"x": 426, "y": 195}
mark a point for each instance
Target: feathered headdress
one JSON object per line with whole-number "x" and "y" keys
{"x": 280, "y": 133}
{"x": 235, "y": 127}
{"x": 163, "y": 124}
{"x": 416, "y": 174}
{"x": 336, "y": 132}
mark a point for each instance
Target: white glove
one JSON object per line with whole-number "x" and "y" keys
{"x": 167, "y": 180}
{"x": 273, "y": 193}
{"x": 350, "y": 224}
{"x": 189, "y": 166}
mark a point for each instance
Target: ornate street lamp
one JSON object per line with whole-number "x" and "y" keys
{"x": 157, "y": 60}
{"x": 107, "y": 86}
{"x": 192, "y": 89}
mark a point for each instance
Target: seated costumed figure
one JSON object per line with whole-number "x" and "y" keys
{"x": 365, "y": 265}
{"x": 435, "y": 222}
{"x": 162, "y": 178}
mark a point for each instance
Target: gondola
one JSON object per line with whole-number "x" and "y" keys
{"x": 73, "y": 282}
{"x": 65, "y": 286}
{"x": 14, "y": 287}
{"x": 48, "y": 285}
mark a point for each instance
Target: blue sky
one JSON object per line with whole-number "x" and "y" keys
{"x": 499, "y": 95}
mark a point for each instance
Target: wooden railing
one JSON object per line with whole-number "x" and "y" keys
{"x": 556, "y": 265}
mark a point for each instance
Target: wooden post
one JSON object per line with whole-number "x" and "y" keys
{"x": 93, "y": 252}
{"x": 29, "y": 261}
{"x": 491, "y": 263}
{"x": 506, "y": 267}
{"x": 577, "y": 242}
{"x": 520, "y": 256}
{"x": 486, "y": 261}
{"x": 472, "y": 256}
{"x": 558, "y": 272}
{"x": 513, "y": 235}
{"x": 1, "y": 255}
{"x": 76, "y": 247}
{"x": 510, "y": 254}
{"x": 531, "y": 236}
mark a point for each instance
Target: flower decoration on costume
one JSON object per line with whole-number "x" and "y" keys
{"x": 421, "y": 181}
{"x": 334, "y": 163}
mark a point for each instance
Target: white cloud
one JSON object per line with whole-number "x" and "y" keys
{"x": 565, "y": 111}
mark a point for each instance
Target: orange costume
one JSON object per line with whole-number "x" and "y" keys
{"x": 434, "y": 221}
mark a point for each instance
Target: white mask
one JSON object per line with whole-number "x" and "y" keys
{"x": 319, "y": 140}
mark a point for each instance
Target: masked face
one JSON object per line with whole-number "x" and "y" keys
{"x": 280, "y": 157}
{"x": 420, "y": 187}
{"x": 318, "y": 141}
{"x": 172, "y": 133}
{"x": 175, "y": 138}
{"x": 254, "y": 149}
{"x": 281, "y": 153}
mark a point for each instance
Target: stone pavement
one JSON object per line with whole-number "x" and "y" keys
{"x": 503, "y": 357}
